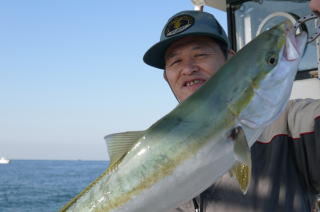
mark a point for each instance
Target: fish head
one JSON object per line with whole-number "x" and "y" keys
{"x": 282, "y": 62}
{"x": 280, "y": 52}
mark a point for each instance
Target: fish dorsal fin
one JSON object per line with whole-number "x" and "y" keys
{"x": 120, "y": 143}
{"x": 241, "y": 170}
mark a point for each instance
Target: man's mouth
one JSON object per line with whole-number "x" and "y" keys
{"x": 194, "y": 82}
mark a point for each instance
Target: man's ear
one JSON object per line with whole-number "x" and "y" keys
{"x": 165, "y": 76}
{"x": 231, "y": 53}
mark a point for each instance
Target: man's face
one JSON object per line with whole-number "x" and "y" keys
{"x": 190, "y": 62}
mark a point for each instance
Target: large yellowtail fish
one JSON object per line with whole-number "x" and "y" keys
{"x": 203, "y": 138}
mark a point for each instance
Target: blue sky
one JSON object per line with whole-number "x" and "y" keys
{"x": 71, "y": 72}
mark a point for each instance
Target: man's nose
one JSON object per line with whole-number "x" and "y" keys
{"x": 189, "y": 66}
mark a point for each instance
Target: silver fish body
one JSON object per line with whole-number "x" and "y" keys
{"x": 183, "y": 153}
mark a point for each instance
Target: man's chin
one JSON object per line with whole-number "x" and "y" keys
{"x": 187, "y": 94}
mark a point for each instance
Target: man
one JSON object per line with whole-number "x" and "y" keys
{"x": 285, "y": 173}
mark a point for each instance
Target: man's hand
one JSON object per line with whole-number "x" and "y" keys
{"x": 315, "y": 6}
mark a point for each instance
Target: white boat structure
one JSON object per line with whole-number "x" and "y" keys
{"x": 4, "y": 161}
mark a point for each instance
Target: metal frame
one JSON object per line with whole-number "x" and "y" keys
{"x": 231, "y": 6}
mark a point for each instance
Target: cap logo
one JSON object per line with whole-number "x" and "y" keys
{"x": 179, "y": 24}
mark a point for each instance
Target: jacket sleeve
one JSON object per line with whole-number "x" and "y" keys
{"x": 304, "y": 128}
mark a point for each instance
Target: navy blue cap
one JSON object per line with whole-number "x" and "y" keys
{"x": 182, "y": 24}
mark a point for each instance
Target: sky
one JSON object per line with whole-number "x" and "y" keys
{"x": 71, "y": 72}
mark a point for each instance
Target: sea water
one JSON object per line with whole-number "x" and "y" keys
{"x": 44, "y": 185}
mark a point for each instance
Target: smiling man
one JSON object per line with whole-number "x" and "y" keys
{"x": 191, "y": 50}
{"x": 190, "y": 62}
{"x": 286, "y": 157}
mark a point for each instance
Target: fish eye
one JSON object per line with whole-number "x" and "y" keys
{"x": 271, "y": 59}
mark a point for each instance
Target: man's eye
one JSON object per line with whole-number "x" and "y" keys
{"x": 175, "y": 62}
{"x": 201, "y": 55}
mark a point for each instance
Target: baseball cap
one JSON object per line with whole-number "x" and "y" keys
{"x": 184, "y": 23}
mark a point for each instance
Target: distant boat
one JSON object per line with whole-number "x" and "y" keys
{"x": 4, "y": 161}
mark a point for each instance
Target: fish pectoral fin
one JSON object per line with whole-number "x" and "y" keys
{"x": 120, "y": 143}
{"x": 242, "y": 168}
{"x": 241, "y": 148}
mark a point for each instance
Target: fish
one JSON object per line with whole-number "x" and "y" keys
{"x": 203, "y": 138}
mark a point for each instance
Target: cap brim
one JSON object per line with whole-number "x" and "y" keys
{"x": 155, "y": 55}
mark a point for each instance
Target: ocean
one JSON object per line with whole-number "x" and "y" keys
{"x": 44, "y": 185}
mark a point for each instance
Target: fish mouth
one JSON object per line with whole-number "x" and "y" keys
{"x": 295, "y": 44}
